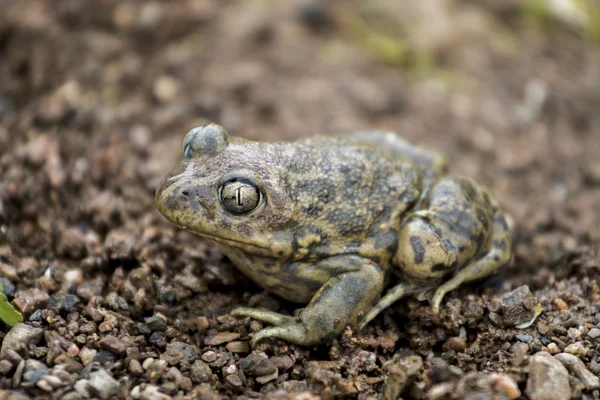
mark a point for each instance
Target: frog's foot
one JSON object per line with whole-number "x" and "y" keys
{"x": 293, "y": 332}
{"x": 269, "y": 317}
{"x": 393, "y": 295}
{"x": 498, "y": 255}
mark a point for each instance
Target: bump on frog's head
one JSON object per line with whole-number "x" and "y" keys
{"x": 208, "y": 139}
{"x": 230, "y": 190}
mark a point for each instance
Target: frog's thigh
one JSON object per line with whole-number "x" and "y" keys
{"x": 342, "y": 301}
{"x": 455, "y": 229}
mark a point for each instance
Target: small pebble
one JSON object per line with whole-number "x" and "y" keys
{"x": 182, "y": 351}
{"x": 63, "y": 302}
{"x": 267, "y": 378}
{"x": 560, "y": 304}
{"x": 220, "y": 338}
{"x": 573, "y": 333}
{"x": 87, "y": 355}
{"x": 202, "y": 323}
{"x": 112, "y": 344}
{"x": 209, "y": 356}
{"x": 524, "y": 338}
{"x": 135, "y": 368}
{"x": 201, "y": 372}
{"x": 238, "y": 346}
{"x": 553, "y": 348}
{"x": 147, "y": 363}
{"x": 104, "y": 385}
{"x": 82, "y": 387}
{"x": 234, "y": 380}
{"x": 256, "y": 365}
{"x": 458, "y": 344}
{"x": 594, "y": 333}
{"x": 156, "y": 323}
{"x": 576, "y": 349}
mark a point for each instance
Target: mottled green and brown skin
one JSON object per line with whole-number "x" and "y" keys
{"x": 329, "y": 219}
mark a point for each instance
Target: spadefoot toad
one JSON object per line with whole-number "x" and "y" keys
{"x": 326, "y": 221}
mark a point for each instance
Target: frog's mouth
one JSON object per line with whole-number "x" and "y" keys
{"x": 231, "y": 241}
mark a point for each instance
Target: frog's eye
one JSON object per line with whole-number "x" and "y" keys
{"x": 206, "y": 139}
{"x": 240, "y": 196}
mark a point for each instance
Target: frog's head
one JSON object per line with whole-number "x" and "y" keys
{"x": 231, "y": 191}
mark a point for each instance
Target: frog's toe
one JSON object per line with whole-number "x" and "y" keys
{"x": 269, "y": 317}
{"x": 294, "y": 333}
{"x": 436, "y": 300}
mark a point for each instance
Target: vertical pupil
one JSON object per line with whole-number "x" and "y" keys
{"x": 239, "y": 196}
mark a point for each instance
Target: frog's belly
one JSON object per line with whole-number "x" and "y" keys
{"x": 297, "y": 282}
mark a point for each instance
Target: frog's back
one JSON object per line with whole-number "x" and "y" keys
{"x": 343, "y": 192}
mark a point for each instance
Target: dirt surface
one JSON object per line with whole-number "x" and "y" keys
{"x": 95, "y": 98}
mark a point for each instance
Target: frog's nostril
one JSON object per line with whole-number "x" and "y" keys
{"x": 185, "y": 193}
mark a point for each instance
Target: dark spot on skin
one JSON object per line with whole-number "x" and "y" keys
{"x": 486, "y": 199}
{"x": 465, "y": 226}
{"x": 461, "y": 249}
{"x": 468, "y": 189}
{"x": 495, "y": 257}
{"x": 499, "y": 219}
{"x": 438, "y": 267}
{"x": 312, "y": 210}
{"x": 480, "y": 240}
{"x": 483, "y": 218}
{"x": 344, "y": 169}
{"x": 418, "y": 249}
{"x": 500, "y": 244}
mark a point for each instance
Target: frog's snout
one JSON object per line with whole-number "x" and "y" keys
{"x": 175, "y": 197}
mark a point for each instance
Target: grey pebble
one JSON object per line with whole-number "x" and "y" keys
{"x": 63, "y": 302}
{"x": 525, "y": 338}
{"x": 104, "y": 385}
{"x": 578, "y": 368}
{"x": 256, "y": 365}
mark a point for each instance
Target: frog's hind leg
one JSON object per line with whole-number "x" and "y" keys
{"x": 498, "y": 255}
{"x": 459, "y": 232}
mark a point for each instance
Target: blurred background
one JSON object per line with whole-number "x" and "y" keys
{"x": 96, "y": 96}
{"x": 102, "y": 92}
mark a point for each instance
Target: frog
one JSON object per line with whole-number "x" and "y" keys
{"x": 330, "y": 221}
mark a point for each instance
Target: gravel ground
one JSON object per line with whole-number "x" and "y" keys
{"x": 95, "y": 98}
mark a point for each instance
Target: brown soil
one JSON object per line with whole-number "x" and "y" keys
{"x": 95, "y": 98}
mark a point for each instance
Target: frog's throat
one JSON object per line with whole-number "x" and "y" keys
{"x": 233, "y": 242}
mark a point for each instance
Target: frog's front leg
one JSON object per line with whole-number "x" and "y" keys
{"x": 341, "y": 301}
